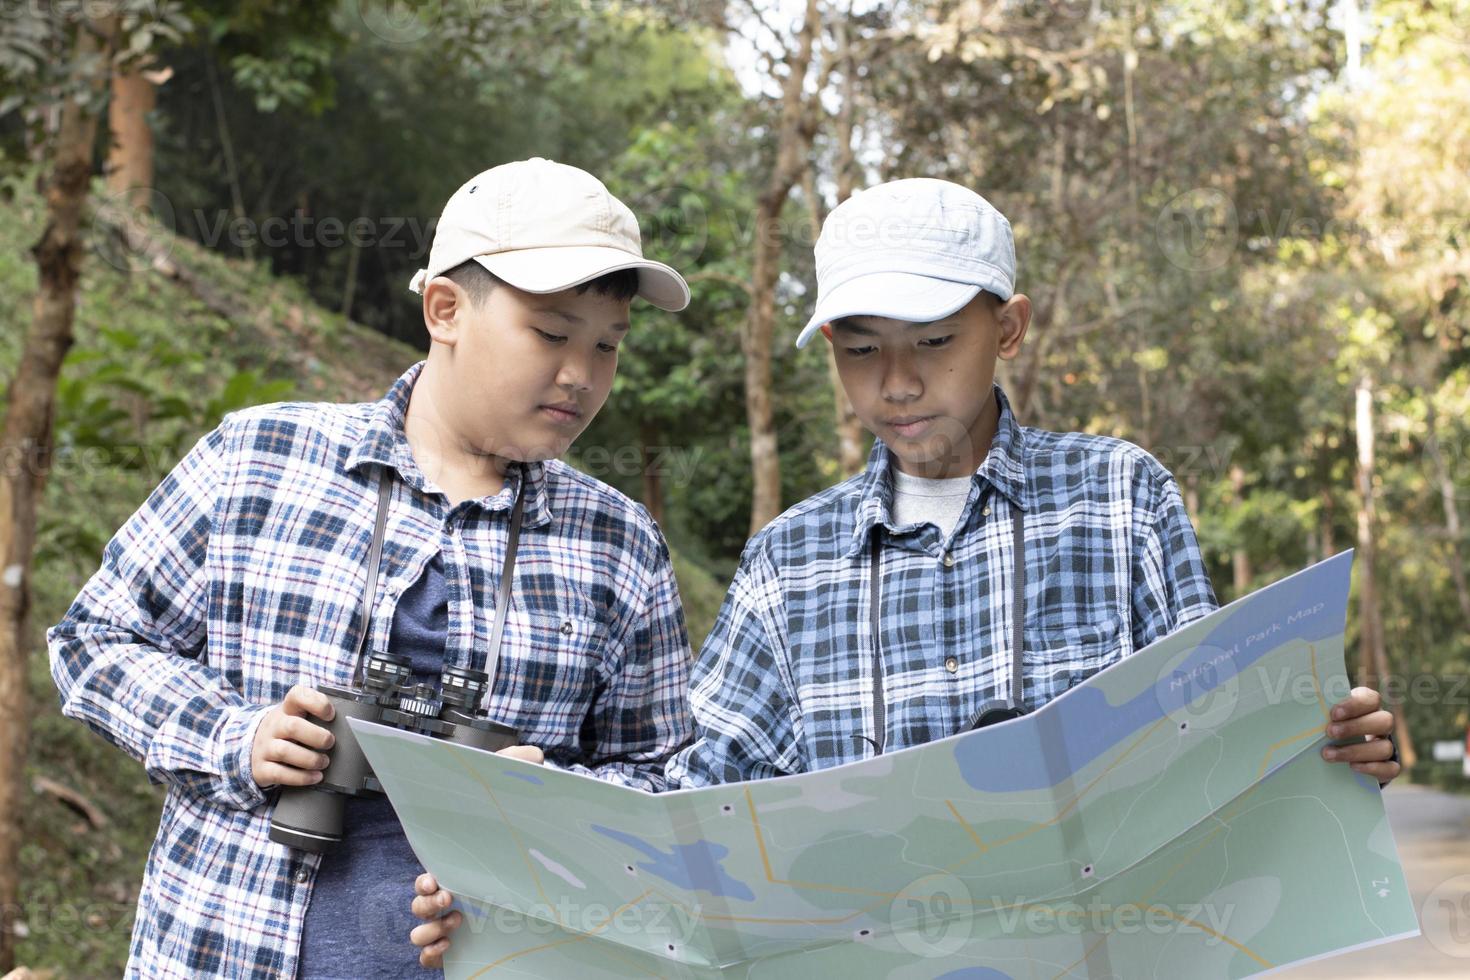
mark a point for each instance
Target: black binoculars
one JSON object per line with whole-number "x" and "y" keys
{"x": 310, "y": 817}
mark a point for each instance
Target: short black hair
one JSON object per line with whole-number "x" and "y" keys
{"x": 479, "y": 282}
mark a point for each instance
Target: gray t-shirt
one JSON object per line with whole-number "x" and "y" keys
{"x": 920, "y": 501}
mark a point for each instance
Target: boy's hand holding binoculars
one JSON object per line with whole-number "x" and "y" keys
{"x": 288, "y": 749}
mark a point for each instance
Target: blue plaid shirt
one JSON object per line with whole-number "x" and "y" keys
{"x": 242, "y": 574}
{"x": 785, "y": 679}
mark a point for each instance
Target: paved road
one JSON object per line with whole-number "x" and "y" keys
{"x": 1432, "y": 830}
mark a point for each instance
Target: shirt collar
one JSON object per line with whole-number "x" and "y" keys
{"x": 384, "y": 443}
{"x": 1004, "y": 468}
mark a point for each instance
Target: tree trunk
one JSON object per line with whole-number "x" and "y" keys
{"x": 1451, "y": 512}
{"x": 129, "y": 165}
{"x": 850, "y": 454}
{"x": 653, "y": 486}
{"x": 25, "y": 443}
{"x": 849, "y": 431}
{"x": 793, "y": 140}
{"x": 1240, "y": 559}
{"x": 1373, "y": 649}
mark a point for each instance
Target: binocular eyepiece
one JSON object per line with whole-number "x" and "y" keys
{"x": 310, "y": 817}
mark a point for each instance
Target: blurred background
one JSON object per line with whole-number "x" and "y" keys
{"x": 1245, "y": 227}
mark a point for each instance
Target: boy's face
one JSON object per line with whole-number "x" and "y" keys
{"x": 925, "y": 388}
{"x": 525, "y": 372}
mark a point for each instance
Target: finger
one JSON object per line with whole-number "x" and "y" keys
{"x": 432, "y": 932}
{"x": 430, "y": 907}
{"x": 293, "y": 755}
{"x": 433, "y": 956}
{"x": 1378, "y": 750}
{"x": 302, "y": 700}
{"x": 1360, "y": 701}
{"x": 526, "y": 753}
{"x": 1378, "y": 722}
{"x": 425, "y": 884}
{"x": 1384, "y": 772}
{"x": 308, "y": 733}
{"x": 275, "y": 774}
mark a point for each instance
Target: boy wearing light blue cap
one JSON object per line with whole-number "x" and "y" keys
{"x": 978, "y": 568}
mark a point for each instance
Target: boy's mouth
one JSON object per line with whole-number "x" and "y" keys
{"x": 562, "y": 414}
{"x": 909, "y": 426}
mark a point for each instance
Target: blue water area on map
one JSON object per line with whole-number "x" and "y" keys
{"x": 695, "y": 867}
{"x": 528, "y": 777}
{"x": 975, "y": 973}
{"x": 1012, "y": 756}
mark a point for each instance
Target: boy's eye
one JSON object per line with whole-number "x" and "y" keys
{"x": 936, "y": 341}
{"x": 860, "y": 351}
{"x": 608, "y": 348}
{"x": 549, "y": 337}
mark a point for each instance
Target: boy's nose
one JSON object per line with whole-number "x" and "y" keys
{"x": 575, "y": 374}
{"x": 901, "y": 382}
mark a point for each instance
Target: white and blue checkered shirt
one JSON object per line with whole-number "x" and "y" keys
{"x": 243, "y": 574}
{"x": 785, "y": 681}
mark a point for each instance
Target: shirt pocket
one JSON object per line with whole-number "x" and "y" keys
{"x": 1060, "y": 657}
{"x": 550, "y": 668}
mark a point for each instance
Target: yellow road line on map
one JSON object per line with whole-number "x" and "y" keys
{"x": 968, "y": 829}
{"x": 1271, "y": 749}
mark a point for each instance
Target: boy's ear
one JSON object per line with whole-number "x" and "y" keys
{"x": 827, "y": 332}
{"x": 444, "y": 299}
{"x": 1014, "y": 316}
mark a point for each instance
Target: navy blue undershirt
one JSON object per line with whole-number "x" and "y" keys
{"x": 358, "y": 922}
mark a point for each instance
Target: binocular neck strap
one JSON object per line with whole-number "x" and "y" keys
{"x": 502, "y": 601}
{"x": 502, "y": 598}
{"x": 375, "y": 558}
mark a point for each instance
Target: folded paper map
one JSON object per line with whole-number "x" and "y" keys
{"x": 1171, "y": 816}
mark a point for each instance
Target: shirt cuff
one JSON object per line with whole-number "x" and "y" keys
{"x": 236, "y": 743}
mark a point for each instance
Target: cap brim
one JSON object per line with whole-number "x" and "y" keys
{"x": 550, "y": 270}
{"x": 899, "y": 295}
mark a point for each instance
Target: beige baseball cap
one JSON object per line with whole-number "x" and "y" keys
{"x": 543, "y": 227}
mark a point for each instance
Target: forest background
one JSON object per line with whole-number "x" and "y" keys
{"x": 1244, "y": 226}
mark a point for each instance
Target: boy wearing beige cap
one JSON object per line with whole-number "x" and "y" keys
{"x": 238, "y": 589}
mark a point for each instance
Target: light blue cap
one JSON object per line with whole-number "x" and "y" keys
{"x": 916, "y": 250}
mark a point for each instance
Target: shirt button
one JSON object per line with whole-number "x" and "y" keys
{"x": 986, "y": 511}
{"x": 302, "y": 875}
{"x": 951, "y": 664}
{"x": 566, "y": 628}
{"x": 948, "y": 560}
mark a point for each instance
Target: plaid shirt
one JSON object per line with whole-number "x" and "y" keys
{"x": 243, "y": 574}
{"x": 785, "y": 680}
